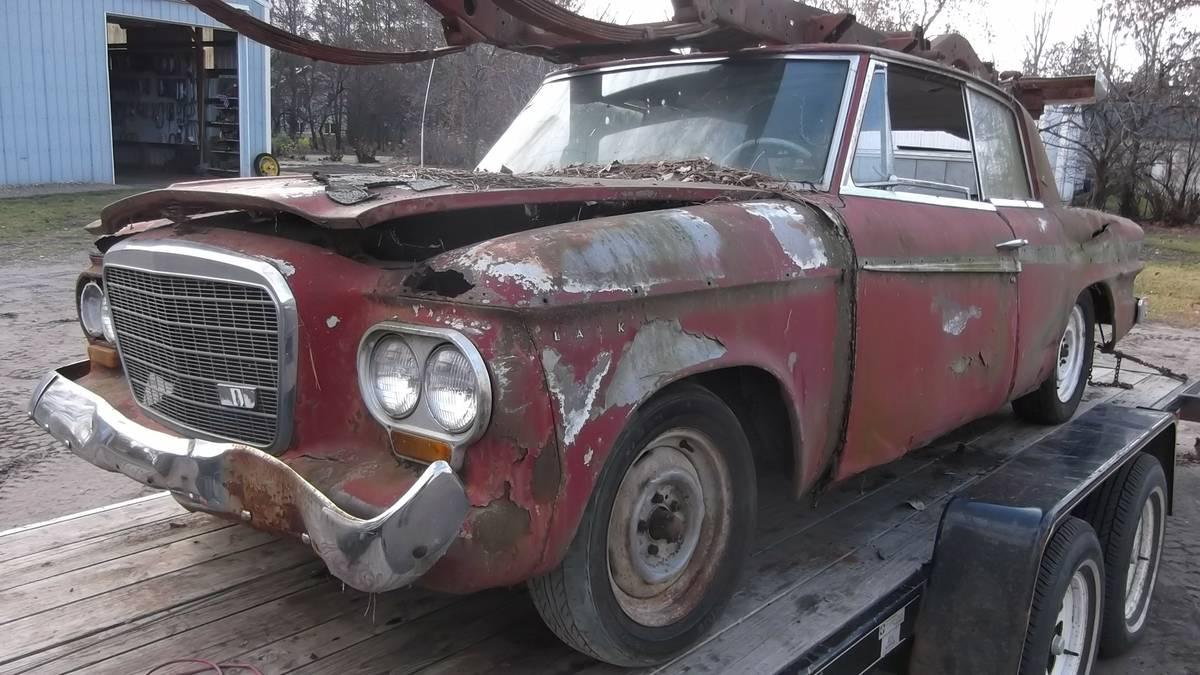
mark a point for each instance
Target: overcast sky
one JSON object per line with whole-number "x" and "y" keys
{"x": 997, "y": 31}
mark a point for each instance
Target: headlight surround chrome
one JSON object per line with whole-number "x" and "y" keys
{"x": 91, "y": 304}
{"x": 433, "y": 347}
{"x": 451, "y": 389}
{"x": 396, "y": 376}
{"x": 106, "y": 322}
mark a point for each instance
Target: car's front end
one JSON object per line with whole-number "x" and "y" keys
{"x": 268, "y": 381}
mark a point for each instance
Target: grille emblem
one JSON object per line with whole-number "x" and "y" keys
{"x": 237, "y": 396}
{"x": 157, "y": 388}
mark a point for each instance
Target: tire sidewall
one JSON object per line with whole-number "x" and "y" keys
{"x": 1118, "y": 635}
{"x": 1067, "y": 408}
{"x": 689, "y": 406}
{"x": 1084, "y": 550}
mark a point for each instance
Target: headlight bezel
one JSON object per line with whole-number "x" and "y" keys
{"x": 97, "y": 332}
{"x": 424, "y": 341}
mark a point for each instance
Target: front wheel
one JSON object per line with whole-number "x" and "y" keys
{"x": 664, "y": 536}
{"x": 1056, "y": 400}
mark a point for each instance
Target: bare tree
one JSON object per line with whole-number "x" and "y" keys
{"x": 1037, "y": 42}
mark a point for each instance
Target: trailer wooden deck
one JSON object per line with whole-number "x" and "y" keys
{"x": 129, "y": 586}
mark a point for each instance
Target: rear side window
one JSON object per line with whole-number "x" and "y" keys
{"x": 998, "y": 149}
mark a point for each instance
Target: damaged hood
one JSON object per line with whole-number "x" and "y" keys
{"x": 360, "y": 200}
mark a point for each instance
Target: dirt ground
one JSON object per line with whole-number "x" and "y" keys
{"x": 40, "y": 479}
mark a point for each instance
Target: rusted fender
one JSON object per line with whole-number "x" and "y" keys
{"x": 619, "y": 308}
{"x": 648, "y": 254}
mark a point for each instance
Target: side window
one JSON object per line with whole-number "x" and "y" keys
{"x": 872, "y": 162}
{"x": 998, "y": 149}
{"x": 915, "y": 136}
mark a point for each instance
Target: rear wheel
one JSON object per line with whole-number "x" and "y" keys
{"x": 1064, "y": 620}
{"x": 664, "y": 536}
{"x": 1056, "y": 400}
{"x": 1129, "y": 514}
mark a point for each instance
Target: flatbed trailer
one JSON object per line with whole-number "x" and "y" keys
{"x": 845, "y": 582}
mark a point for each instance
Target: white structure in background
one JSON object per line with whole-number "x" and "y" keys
{"x": 1062, "y": 134}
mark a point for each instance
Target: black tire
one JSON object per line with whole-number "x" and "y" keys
{"x": 1043, "y": 405}
{"x": 1115, "y": 510}
{"x": 1073, "y": 548}
{"x": 579, "y": 599}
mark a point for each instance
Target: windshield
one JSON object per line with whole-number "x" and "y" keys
{"x": 772, "y": 116}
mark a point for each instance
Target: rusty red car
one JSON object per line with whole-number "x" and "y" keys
{"x": 668, "y": 277}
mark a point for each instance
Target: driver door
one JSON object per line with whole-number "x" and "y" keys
{"x": 935, "y": 298}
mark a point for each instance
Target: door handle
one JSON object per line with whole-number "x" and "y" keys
{"x": 1012, "y": 244}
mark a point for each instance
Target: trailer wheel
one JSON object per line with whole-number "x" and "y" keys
{"x": 663, "y": 538}
{"x": 1055, "y": 401}
{"x": 1129, "y": 514}
{"x": 1064, "y": 621}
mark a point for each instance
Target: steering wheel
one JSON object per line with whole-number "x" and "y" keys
{"x": 800, "y": 150}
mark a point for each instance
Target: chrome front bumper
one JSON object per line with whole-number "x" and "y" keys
{"x": 388, "y": 551}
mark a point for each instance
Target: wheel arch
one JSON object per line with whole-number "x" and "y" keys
{"x": 1102, "y": 301}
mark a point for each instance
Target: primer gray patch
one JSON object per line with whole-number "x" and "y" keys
{"x": 660, "y": 349}
{"x": 630, "y": 255}
{"x": 791, "y": 230}
{"x": 575, "y": 399}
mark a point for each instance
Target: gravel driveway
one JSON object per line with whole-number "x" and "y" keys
{"x": 40, "y": 479}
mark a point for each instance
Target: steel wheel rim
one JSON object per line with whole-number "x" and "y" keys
{"x": 1143, "y": 561}
{"x": 663, "y": 540}
{"x": 1070, "y": 643}
{"x": 1070, "y": 355}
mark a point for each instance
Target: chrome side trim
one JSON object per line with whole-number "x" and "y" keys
{"x": 202, "y": 261}
{"x": 965, "y": 265}
{"x": 389, "y": 551}
{"x": 420, "y": 421}
{"x": 851, "y": 189}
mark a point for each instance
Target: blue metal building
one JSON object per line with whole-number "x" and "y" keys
{"x": 92, "y": 88}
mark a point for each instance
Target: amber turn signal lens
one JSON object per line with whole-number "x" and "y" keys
{"x": 103, "y": 356}
{"x": 420, "y": 449}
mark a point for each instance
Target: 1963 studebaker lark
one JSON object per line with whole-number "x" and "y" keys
{"x": 563, "y": 372}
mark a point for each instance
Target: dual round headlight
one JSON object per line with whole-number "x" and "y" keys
{"x": 95, "y": 314}
{"x": 448, "y": 383}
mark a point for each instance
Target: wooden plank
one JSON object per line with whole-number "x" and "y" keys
{"x": 424, "y": 641}
{"x": 78, "y": 527}
{"x": 82, "y": 652}
{"x": 270, "y": 628}
{"x": 1148, "y": 392}
{"x": 100, "y": 550}
{"x": 71, "y": 587}
{"x": 33, "y": 632}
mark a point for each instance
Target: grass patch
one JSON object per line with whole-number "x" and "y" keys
{"x": 1174, "y": 292}
{"x": 24, "y": 218}
{"x": 1176, "y": 245}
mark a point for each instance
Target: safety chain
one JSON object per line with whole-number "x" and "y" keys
{"x": 1120, "y": 356}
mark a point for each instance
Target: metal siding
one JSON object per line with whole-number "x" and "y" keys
{"x": 55, "y": 121}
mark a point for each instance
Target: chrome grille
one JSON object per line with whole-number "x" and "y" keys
{"x": 180, "y": 337}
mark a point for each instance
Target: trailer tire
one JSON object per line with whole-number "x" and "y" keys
{"x": 1064, "y": 619}
{"x": 1129, "y": 511}
{"x": 608, "y": 600}
{"x": 1056, "y": 400}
